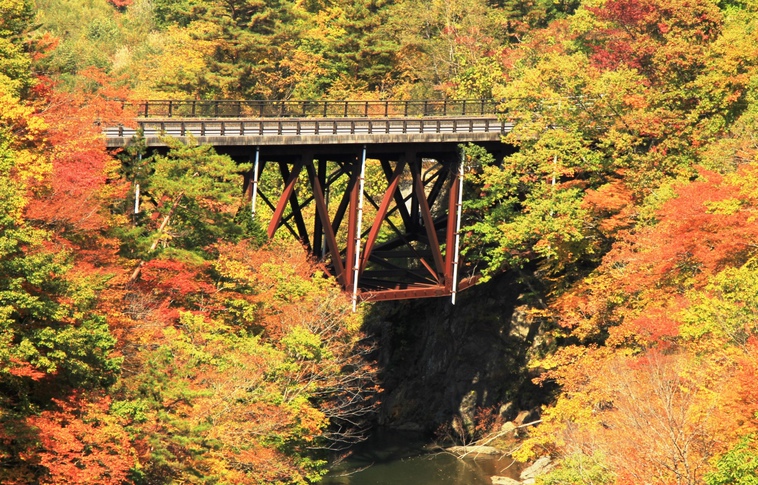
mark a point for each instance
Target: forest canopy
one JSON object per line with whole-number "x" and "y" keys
{"x": 177, "y": 345}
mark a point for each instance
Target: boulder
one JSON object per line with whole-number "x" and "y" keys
{"x": 474, "y": 450}
{"x": 409, "y": 427}
{"x": 504, "y": 481}
{"x": 508, "y": 411}
{"x": 539, "y": 467}
{"x": 526, "y": 417}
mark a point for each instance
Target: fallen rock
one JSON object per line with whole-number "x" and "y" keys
{"x": 527, "y": 417}
{"x": 508, "y": 411}
{"x": 409, "y": 427}
{"x": 504, "y": 481}
{"x": 507, "y": 427}
{"x": 474, "y": 450}
{"x": 539, "y": 467}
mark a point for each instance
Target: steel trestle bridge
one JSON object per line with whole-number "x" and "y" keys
{"x": 373, "y": 189}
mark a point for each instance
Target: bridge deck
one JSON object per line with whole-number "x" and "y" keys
{"x": 314, "y": 131}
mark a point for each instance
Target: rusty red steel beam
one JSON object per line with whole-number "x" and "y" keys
{"x": 394, "y": 228}
{"x": 413, "y": 292}
{"x": 342, "y": 208}
{"x": 289, "y": 188}
{"x": 399, "y": 200}
{"x": 271, "y": 206}
{"x": 323, "y": 216}
{"x": 382, "y": 211}
{"x": 295, "y": 205}
{"x": 400, "y": 235}
{"x": 352, "y": 226}
{"x": 405, "y": 293}
{"x": 426, "y": 215}
{"x": 429, "y": 268}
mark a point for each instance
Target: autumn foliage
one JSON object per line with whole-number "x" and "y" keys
{"x": 80, "y": 442}
{"x": 173, "y": 345}
{"x": 160, "y": 347}
{"x": 650, "y": 266}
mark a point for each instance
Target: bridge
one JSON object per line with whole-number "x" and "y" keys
{"x": 373, "y": 189}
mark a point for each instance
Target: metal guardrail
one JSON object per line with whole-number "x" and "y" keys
{"x": 305, "y": 127}
{"x": 310, "y": 109}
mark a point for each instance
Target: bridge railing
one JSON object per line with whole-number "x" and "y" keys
{"x": 313, "y": 127}
{"x": 310, "y": 109}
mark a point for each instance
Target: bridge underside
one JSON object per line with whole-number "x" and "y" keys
{"x": 382, "y": 218}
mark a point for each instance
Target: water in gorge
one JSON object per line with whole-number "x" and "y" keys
{"x": 391, "y": 457}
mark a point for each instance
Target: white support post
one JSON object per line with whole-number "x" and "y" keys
{"x": 555, "y": 167}
{"x": 458, "y": 214}
{"x": 136, "y": 187}
{"x": 136, "y": 199}
{"x": 254, "y": 197}
{"x": 357, "y": 263}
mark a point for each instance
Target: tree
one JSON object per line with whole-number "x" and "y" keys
{"x": 54, "y": 341}
{"x": 248, "y": 42}
{"x": 656, "y": 341}
{"x": 523, "y": 16}
{"x": 82, "y": 443}
{"x": 670, "y": 404}
{"x": 15, "y": 65}
{"x": 245, "y": 379}
{"x": 359, "y": 55}
{"x": 73, "y": 198}
{"x": 441, "y": 42}
{"x": 613, "y": 100}
{"x": 739, "y": 466}
{"x": 190, "y": 198}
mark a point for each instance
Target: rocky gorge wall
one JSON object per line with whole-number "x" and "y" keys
{"x": 441, "y": 361}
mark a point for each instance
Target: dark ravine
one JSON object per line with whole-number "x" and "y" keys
{"x": 441, "y": 361}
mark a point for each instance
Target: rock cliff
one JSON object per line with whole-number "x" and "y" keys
{"x": 441, "y": 361}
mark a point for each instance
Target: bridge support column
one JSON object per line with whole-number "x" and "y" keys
{"x": 359, "y": 215}
{"x": 319, "y": 177}
{"x": 256, "y": 177}
{"x": 458, "y": 215}
{"x": 450, "y": 257}
{"x": 414, "y": 164}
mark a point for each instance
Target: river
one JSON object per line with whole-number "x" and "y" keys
{"x": 391, "y": 457}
